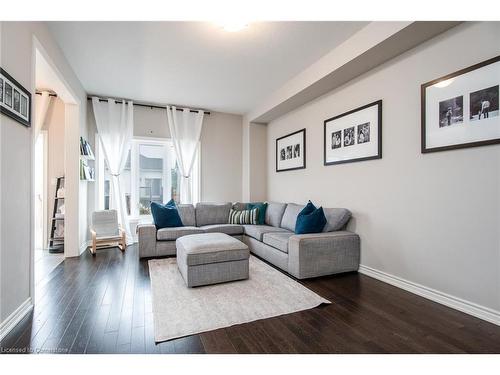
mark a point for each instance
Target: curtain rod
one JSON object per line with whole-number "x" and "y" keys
{"x": 53, "y": 95}
{"x": 150, "y": 105}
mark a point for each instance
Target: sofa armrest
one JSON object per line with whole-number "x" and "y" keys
{"x": 146, "y": 234}
{"x": 318, "y": 254}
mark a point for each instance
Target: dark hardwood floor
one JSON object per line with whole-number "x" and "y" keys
{"x": 102, "y": 304}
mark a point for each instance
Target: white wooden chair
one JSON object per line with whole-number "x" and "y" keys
{"x": 105, "y": 231}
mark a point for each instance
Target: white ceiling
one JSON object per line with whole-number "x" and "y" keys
{"x": 194, "y": 64}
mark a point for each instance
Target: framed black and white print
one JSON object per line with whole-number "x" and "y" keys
{"x": 15, "y": 100}
{"x": 461, "y": 109}
{"x": 354, "y": 135}
{"x": 8, "y": 95}
{"x": 291, "y": 151}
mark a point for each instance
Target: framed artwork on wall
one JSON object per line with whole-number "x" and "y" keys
{"x": 15, "y": 100}
{"x": 291, "y": 151}
{"x": 354, "y": 135}
{"x": 460, "y": 109}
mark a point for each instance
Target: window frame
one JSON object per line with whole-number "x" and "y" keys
{"x": 134, "y": 174}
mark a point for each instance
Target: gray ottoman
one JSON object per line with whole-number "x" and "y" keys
{"x": 211, "y": 258}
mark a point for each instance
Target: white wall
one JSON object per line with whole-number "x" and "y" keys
{"x": 254, "y": 159}
{"x": 431, "y": 219}
{"x": 221, "y": 150}
{"x": 221, "y": 145}
{"x": 16, "y": 180}
{"x": 258, "y": 174}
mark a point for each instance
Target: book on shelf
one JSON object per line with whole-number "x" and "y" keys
{"x": 86, "y": 172}
{"x": 85, "y": 148}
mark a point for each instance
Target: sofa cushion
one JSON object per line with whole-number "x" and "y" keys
{"x": 166, "y": 216}
{"x": 310, "y": 220}
{"x": 243, "y": 216}
{"x": 210, "y": 248}
{"x": 257, "y": 231}
{"x": 290, "y": 216}
{"x": 262, "y": 206}
{"x": 171, "y": 234}
{"x": 274, "y": 213}
{"x": 336, "y": 218}
{"x": 239, "y": 206}
{"x": 278, "y": 240}
{"x": 187, "y": 214}
{"x": 212, "y": 213}
{"x": 231, "y": 229}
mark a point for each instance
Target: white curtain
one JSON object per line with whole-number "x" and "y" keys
{"x": 185, "y": 130}
{"x": 41, "y": 107}
{"x": 115, "y": 126}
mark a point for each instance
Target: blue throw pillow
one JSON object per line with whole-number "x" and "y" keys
{"x": 171, "y": 203}
{"x": 310, "y": 220}
{"x": 309, "y": 207}
{"x": 262, "y": 206}
{"x": 166, "y": 216}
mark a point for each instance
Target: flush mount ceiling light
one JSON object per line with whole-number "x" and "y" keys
{"x": 232, "y": 26}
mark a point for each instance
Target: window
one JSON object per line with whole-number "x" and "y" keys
{"x": 153, "y": 161}
{"x": 125, "y": 180}
{"x": 151, "y": 174}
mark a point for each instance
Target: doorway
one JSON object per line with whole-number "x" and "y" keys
{"x": 55, "y": 173}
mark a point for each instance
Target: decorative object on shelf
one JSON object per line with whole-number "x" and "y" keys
{"x": 60, "y": 192}
{"x": 87, "y": 171}
{"x": 460, "y": 109}
{"x": 59, "y": 232}
{"x": 61, "y": 210}
{"x": 291, "y": 151}
{"x": 15, "y": 100}
{"x": 354, "y": 135}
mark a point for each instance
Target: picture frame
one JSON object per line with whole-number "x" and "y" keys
{"x": 353, "y": 136}
{"x": 291, "y": 151}
{"x": 15, "y": 100}
{"x": 461, "y": 109}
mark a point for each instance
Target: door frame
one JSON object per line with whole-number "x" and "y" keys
{"x": 45, "y": 196}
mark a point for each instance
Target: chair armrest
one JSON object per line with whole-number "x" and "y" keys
{"x": 317, "y": 254}
{"x": 93, "y": 234}
{"x": 146, "y": 234}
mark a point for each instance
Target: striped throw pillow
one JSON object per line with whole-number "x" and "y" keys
{"x": 244, "y": 216}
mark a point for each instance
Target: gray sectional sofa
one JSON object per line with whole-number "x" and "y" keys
{"x": 304, "y": 256}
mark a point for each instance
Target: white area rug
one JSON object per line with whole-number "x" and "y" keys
{"x": 181, "y": 311}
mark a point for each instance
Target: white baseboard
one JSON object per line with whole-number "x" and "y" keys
{"x": 84, "y": 246}
{"x": 13, "y": 319}
{"x": 456, "y": 303}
